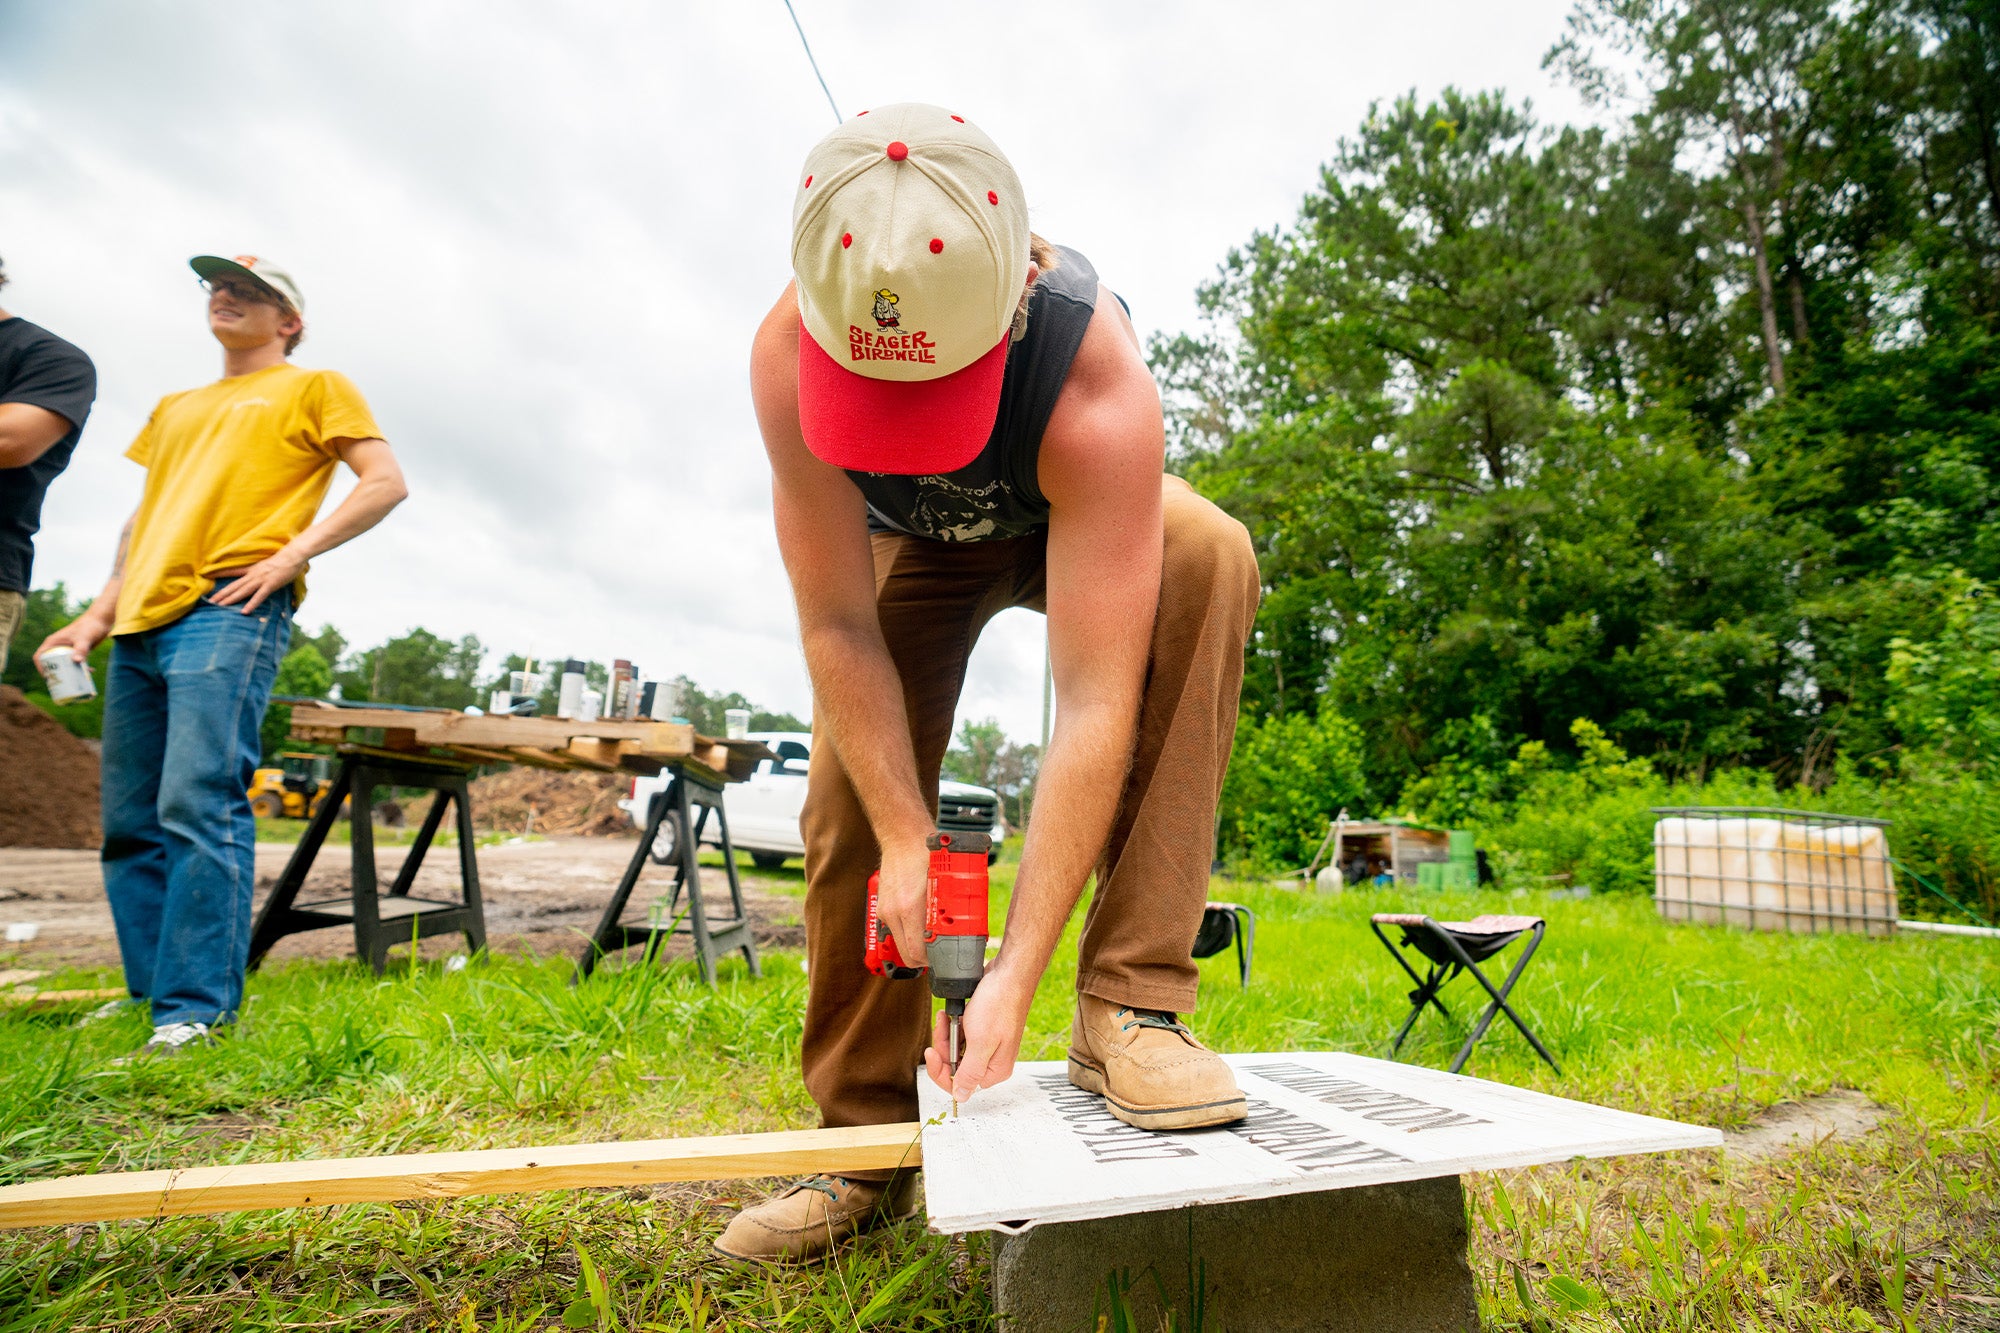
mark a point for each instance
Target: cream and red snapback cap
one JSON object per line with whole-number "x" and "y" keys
{"x": 910, "y": 243}
{"x": 257, "y": 270}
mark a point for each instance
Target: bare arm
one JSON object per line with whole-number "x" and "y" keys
{"x": 27, "y": 432}
{"x": 88, "y": 630}
{"x": 380, "y": 489}
{"x": 1101, "y": 461}
{"x": 858, "y": 703}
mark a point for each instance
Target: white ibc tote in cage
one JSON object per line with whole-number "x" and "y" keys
{"x": 1771, "y": 869}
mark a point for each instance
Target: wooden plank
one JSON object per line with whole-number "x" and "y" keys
{"x": 607, "y": 753}
{"x": 450, "y": 1175}
{"x": 482, "y": 754}
{"x": 543, "y": 758}
{"x": 18, "y": 975}
{"x": 46, "y": 997}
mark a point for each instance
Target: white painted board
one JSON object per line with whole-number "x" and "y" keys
{"x": 1036, "y": 1149}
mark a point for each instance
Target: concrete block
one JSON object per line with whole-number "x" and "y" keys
{"x": 1371, "y": 1259}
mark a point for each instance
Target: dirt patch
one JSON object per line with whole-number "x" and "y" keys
{"x": 542, "y": 898}
{"x": 1790, "y": 1127}
{"x": 48, "y": 779}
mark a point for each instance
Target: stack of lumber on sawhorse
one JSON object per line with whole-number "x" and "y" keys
{"x": 545, "y": 742}
{"x": 438, "y": 751}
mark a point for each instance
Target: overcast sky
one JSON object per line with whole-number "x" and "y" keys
{"x": 539, "y": 236}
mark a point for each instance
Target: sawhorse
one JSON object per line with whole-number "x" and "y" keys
{"x": 711, "y": 939}
{"x": 379, "y": 920}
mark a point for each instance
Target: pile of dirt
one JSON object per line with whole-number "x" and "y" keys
{"x": 48, "y": 779}
{"x": 562, "y": 802}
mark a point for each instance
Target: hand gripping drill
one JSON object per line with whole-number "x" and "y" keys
{"x": 954, "y": 931}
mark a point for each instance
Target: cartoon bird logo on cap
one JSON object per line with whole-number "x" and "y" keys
{"x": 885, "y": 309}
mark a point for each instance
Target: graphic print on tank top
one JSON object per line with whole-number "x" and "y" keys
{"x": 998, "y": 494}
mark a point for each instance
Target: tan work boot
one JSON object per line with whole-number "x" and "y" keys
{"x": 815, "y": 1215}
{"x": 1150, "y": 1069}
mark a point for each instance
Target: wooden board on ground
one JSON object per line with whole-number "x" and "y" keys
{"x": 47, "y": 997}
{"x": 16, "y": 976}
{"x": 1035, "y": 1149}
{"x": 449, "y": 1175}
{"x": 543, "y": 742}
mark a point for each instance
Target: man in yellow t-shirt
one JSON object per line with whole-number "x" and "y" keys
{"x": 210, "y": 569}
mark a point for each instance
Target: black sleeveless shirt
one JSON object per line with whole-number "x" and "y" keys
{"x": 998, "y": 494}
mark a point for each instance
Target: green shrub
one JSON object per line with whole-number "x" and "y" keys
{"x": 1942, "y": 689}
{"x": 304, "y": 671}
{"x": 1589, "y": 820}
{"x": 1287, "y": 778}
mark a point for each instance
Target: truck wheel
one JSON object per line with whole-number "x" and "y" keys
{"x": 768, "y": 860}
{"x": 267, "y": 806}
{"x": 667, "y": 842}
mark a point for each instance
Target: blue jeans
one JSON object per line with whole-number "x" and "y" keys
{"x": 182, "y": 706}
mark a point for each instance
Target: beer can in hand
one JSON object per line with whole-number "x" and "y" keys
{"x": 69, "y": 679}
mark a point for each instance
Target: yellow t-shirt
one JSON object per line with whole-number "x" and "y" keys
{"x": 234, "y": 471}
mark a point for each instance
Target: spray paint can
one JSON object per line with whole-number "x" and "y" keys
{"x": 569, "y": 699}
{"x": 614, "y": 688}
{"x": 588, "y": 709}
{"x": 69, "y": 679}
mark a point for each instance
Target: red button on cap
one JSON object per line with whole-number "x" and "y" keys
{"x": 898, "y": 151}
{"x": 937, "y": 246}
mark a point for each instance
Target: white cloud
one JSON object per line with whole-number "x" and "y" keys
{"x": 538, "y": 237}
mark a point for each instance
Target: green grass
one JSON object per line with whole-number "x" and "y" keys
{"x": 1896, "y": 1230}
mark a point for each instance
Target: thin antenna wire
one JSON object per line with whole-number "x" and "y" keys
{"x": 837, "y": 117}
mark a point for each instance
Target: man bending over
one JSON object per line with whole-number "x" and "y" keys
{"x": 959, "y": 420}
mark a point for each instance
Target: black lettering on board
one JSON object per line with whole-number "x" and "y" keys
{"x": 1377, "y": 1104}
{"x": 1300, "y": 1143}
{"x": 1108, "y": 1138}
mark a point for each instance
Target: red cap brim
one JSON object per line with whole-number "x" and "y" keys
{"x": 909, "y": 427}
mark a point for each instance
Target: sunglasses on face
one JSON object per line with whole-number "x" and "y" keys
{"x": 240, "y": 291}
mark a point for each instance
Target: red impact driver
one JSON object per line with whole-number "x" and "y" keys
{"x": 954, "y": 931}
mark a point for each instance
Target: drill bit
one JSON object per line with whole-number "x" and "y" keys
{"x": 954, "y": 1022}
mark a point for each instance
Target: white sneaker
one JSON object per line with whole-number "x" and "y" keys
{"x": 108, "y": 1010}
{"x": 171, "y": 1039}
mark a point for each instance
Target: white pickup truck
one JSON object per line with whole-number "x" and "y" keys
{"x": 764, "y": 809}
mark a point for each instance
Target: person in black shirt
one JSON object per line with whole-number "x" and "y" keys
{"x": 46, "y": 388}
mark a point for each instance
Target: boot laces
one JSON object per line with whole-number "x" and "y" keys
{"x": 1153, "y": 1018}
{"x": 824, "y": 1184}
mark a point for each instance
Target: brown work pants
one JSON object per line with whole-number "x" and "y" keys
{"x": 865, "y": 1035}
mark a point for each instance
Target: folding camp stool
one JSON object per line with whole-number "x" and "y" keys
{"x": 1451, "y": 947}
{"x": 1221, "y": 924}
